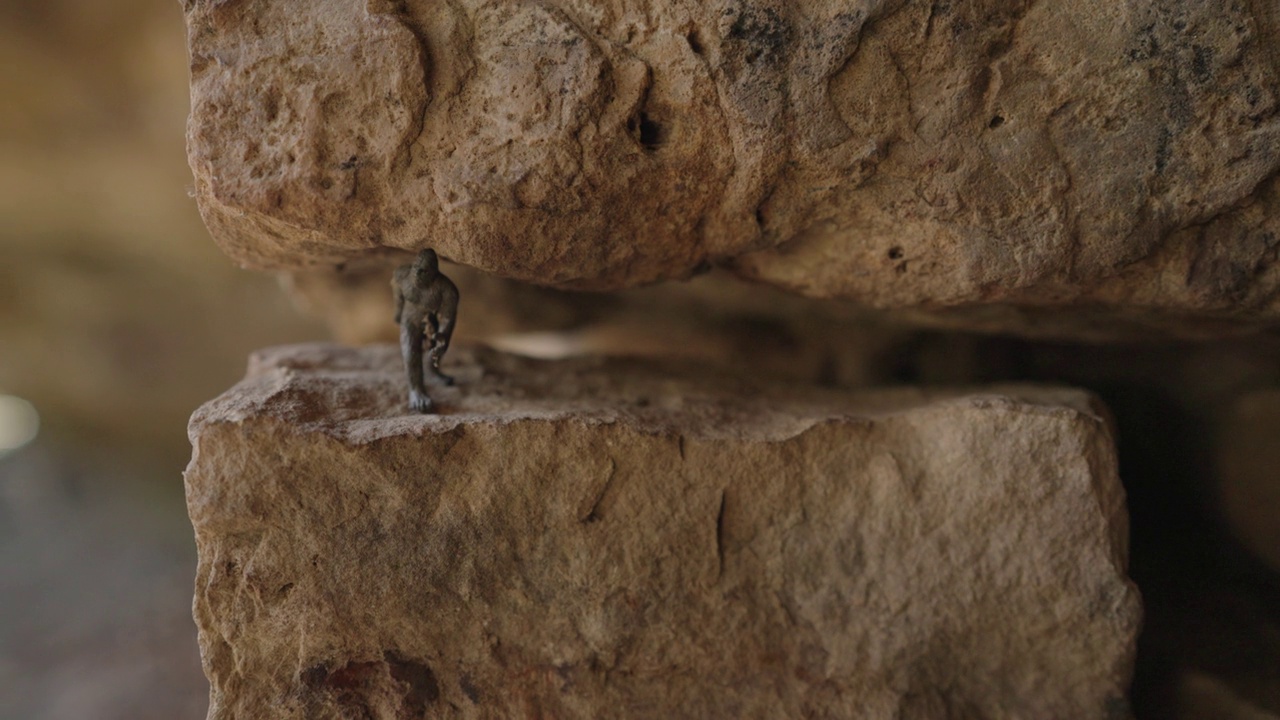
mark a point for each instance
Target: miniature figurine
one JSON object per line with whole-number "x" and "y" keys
{"x": 426, "y": 300}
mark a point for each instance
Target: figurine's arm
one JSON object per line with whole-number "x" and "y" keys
{"x": 399, "y": 298}
{"x": 448, "y": 312}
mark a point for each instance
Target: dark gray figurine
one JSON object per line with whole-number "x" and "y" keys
{"x": 425, "y": 301}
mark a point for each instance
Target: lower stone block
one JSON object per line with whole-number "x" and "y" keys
{"x": 598, "y": 539}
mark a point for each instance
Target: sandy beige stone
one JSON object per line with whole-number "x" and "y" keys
{"x": 900, "y": 153}
{"x": 592, "y": 538}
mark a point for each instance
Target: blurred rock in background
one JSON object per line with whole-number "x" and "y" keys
{"x": 1248, "y": 465}
{"x": 118, "y": 317}
{"x": 96, "y": 568}
{"x": 713, "y": 318}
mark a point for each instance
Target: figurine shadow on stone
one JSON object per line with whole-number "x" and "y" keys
{"x": 426, "y": 308}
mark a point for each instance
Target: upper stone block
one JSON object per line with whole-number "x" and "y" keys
{"x": 622, "y": 539}
{"x": 901, "y": 153}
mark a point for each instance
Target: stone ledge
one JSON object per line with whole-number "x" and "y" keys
{"x": 877, "y": 152}
{"x": 609, "y": 538}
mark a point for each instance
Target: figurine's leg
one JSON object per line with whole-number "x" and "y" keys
{"x": 411, "y": 336}
{"x": 439, "y": 344}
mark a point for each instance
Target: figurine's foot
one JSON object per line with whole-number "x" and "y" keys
{"x": 434, "y": 376}
{"x": 420, "y": 403}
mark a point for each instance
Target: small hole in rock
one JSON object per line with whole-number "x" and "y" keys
{"x": 996, "y": 122}
{"x": 650, "y": 133}
{"x": 895, "y": 253}
{"x": 695, "y": 42}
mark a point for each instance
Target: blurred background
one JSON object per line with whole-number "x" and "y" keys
{"x": 118, "y": 317}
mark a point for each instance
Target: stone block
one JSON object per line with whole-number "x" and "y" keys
{"x": 591, "y": 538}
{"x": 898, "y": 153}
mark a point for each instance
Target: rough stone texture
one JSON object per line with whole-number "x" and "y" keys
{"x": 589, "y": 538}
{"x": 1249, "y": 474}
{"x": 901, "y": 153}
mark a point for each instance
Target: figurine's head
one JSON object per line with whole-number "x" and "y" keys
{"x": 427, "y": 263}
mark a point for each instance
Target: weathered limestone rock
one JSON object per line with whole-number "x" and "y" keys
{"x": 901, "y": 153}
{"x": 590, "y": 539}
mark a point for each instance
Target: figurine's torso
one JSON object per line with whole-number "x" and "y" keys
{"x": 423, "y": 296}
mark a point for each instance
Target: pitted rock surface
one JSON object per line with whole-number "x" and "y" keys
{"x": 900, "y": 153}
{"x": 596, "y": 538}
